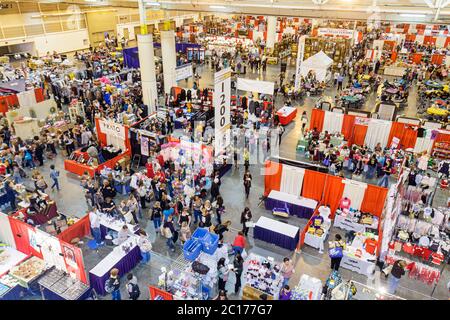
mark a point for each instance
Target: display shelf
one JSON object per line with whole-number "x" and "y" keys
{"x": 250, "y": 293}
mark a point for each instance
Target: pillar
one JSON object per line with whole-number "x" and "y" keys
{"x": 147, "y": 66}
{"x": 169, "y": 59}
{"x": 271, "y": 31}
{"x": 147, "y": 62}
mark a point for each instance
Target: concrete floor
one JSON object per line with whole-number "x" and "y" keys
{"x": 71, "y": 202}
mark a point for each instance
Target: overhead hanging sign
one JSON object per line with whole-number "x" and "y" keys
{"x": 112, "y": 129}
{"x": 346, "y": 33}
{"x": 300, "y": 55}
{"x": 222, "y": 106}
{"x": 183, "y": 72}
{"x": 264, "y": 87}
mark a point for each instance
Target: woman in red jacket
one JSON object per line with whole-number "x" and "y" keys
{"x": 239, "y": 243}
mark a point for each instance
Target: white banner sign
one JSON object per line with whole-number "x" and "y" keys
{"x": 347, "y": 33}
{"x": 112, "y": 129}
{"x": 300, "y": 55}
{"x": 222, "y": 106}
{"x": 144, "y": 146}
{"x": 183, "y": 72}
{"x": 264, "y": 87}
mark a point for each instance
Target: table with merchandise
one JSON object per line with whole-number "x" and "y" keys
{"x": 262, "y": 276}
{"x": 10, "y": 289}
{"x": 28, "y": 271}
{"x": 58, "y": 285}
{"x": 360, "y": 256}
{"x": 123, "y": 257}
{"x": 353, "y": 220}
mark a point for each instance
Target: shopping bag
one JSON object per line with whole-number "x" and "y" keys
{"x": 244, "y": 253}
{"x": 249, "y": 224}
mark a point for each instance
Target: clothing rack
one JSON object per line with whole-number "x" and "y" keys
{"x": 418, "y": 270}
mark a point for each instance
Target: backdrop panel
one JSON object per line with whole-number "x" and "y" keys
{"x": 333, "y": 193}
{"x": 313, "y": 184}
{"x": 272, "y": 178}
{"x": 265, "y": 87}
{"x": 317, "y": 119}
{"x": 292, "y": 180}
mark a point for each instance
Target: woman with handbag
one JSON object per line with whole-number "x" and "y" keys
{"x": 336, "y": 252}
{"x": 170, "y": 233}
{"x": 223, "y": 272}
{"x": 246, "y": 217}
{"x": 247, "y": 182}
{"x": 145, "y": 246}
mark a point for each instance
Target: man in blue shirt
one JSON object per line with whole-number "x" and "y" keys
{"x": 168, "y": 211}
{"x": 54, "y": 174}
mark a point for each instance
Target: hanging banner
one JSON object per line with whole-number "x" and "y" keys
{"x": 300, "y": 55}
{"x": 346, "y": 33}
{"x": 265, "y": 87}
{"x": 222, "y": 106}
{"x": 112, "y": 129}
{"x": 144, "y": 146}
{"x": 73, "y": 257}
{"x": 183, "y": 72}
{"x": 51, "y": 250}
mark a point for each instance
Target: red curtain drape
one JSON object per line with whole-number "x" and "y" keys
{"x": 317, "y": 118}
{"x": 21, "y": 232}
{"x": 333, "y": 193}
{"x": 79, "y": 229}
{"x": 313, "y": 184}
{"x": 39, "y": 94}
{"x": 359, "y": 134}
{"x": 347, "y": 126}
{"x": 374, "y": 199}
{"x": 443, "y": 137}
{"x": 272, "y": 178}
{"x": 405, "y": 133}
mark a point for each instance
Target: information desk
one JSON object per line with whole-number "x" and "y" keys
{"x": 119, "y": 259}
{"x": 281, "y": 234}
{"x": 108, "y": 223}
{"x": 286, "y": 115}
{"x": 298, "y": 206}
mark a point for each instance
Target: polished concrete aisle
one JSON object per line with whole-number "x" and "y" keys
{"x": 70, "y": 201}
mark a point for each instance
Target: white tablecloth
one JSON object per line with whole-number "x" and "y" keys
{"x": 14, "y": 257}
{"x": 113, "y": 258}
{"x": 298, "y": 201}
{"x": 316, "y": 241}
{"x": 278, "y": 227}
{"x": 358, "y": 265}
{"x": 347, "y": 224}
{"x": 286, "y": 111}
{"x": 113, "y": 224}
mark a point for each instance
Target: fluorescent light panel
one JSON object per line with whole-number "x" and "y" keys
{"x": 217, "y": 7}
{"x": 153, "y": 3}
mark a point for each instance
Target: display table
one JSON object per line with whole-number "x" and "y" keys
{"x": 346, "y": 223}
{"x": 359, "y": 265}
{"x": 286, "y": 115}
{"x": 57, "y": 285}
{"x": 250, "y": 293}
{"x": 108, "y": 223}
{"x": 315, "y": 241}
{"x": 116, "y": 259}
{"x": 394, "y": 71}
{"x": 298, "y": 206}
{"x": 40, "y": 218}
{"x": 9, "y": 258}
{"x": 223, "y": 169}
{"x": 281, "y": 234}
{"x": 11, "y": 293}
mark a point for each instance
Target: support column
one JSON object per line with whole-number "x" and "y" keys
{"x": 147, "y": 66}
{"x": 271, "y": 31}
{"x": 169, "y": 59}
{"x": 147, "y": 63}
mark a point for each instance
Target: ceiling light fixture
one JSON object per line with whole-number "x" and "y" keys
{"x": 153, "y": 3}
{"x": 217, "y": 7}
